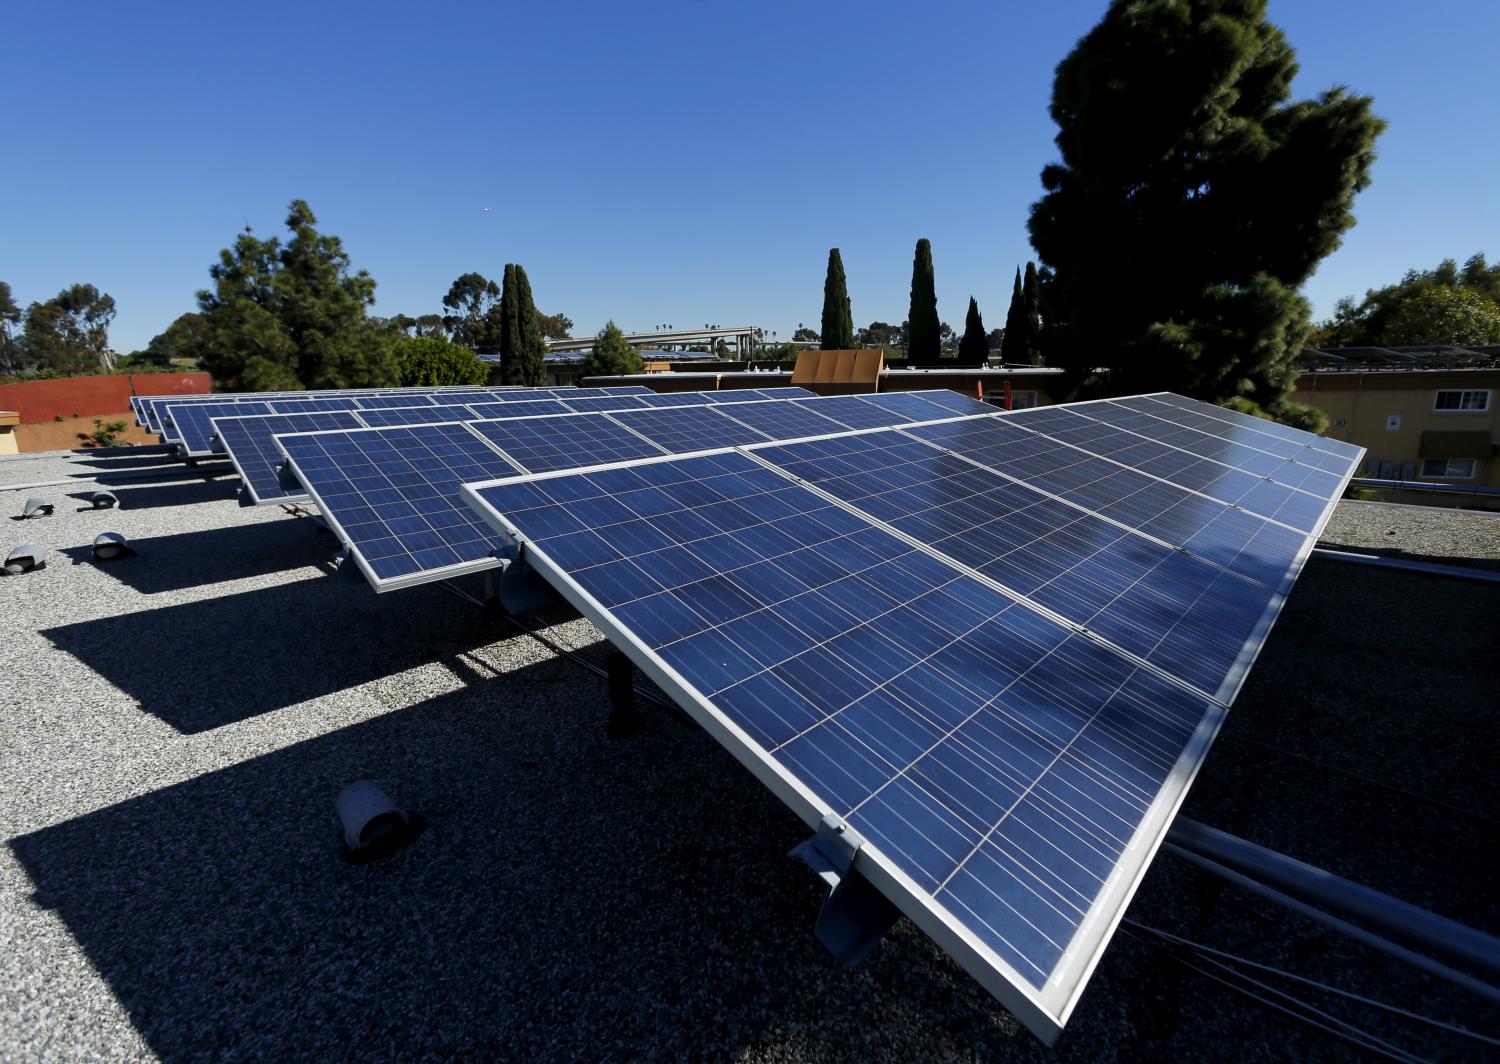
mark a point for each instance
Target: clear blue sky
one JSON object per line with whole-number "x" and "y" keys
{"x": 682, "y": 163}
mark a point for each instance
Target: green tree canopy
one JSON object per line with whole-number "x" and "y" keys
{"x": 1031, "y": 298}
{"x": 294, "y": 316}
{"x": 1372, "y": 320}
{"x": 1193, "y": 199}
{"x": 612, "y": 355}
{"x": 974, "y": 348}
{"x": 183, "y": 340}
{"x": 68, "y": 334}
{"x": 838, "y": 316}
{"x": 434, "y": 362}
{"x": 1443, "y": 315}
{"x": 11, "y": 362}
{"x": 555, "y": 326}
{"x": 470, "y": 303}
{"x": 923, "y": 330}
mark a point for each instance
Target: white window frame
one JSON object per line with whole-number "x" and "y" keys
{"x": 1461, "y": 393}
{"x": 1447, "y": 463}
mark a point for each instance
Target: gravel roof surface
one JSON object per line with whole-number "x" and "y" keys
{"x": 175, "y": 726}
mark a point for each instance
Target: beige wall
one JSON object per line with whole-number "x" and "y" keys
{"x": 1359, "y": 405}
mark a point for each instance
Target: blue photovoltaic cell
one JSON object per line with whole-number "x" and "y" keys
{"x": 671, "y": 399}
{"x": 423, "y": 415}
{"x": 858, "y": 412}
{"x": 588, "y": 403}
{"x": 308, "y": 406}
{"x": 1237, "y": 540}
{"x": 193, "y": 422}
{"x": 1237, "y": 475}
{"x": 752, "y": 395}
{"x": 929, "y": 405}
{"x": 1000, "y": 761}
{"x": 1347, "y": 451}
{"x": 1270, "y": 442}
{"x": 393, "y": 495}
{"x": 781, "y": 420}
{"x": 251, "y": 445}
{"x": 524, "y": 408}
{"x": 543, "y": 444}
{"x": 383, "y": 402}
{"x": 1188, "y": 618}
{"x": 688, "y": 428}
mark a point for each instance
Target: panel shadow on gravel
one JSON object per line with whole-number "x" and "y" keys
{"x": 180, "y": 491}
{"x": 186, "y": 560}
{"x": 572, "y": 898}
{"x": 204, "y": 664}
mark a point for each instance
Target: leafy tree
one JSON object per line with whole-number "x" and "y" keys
{"x": 1016, "y": 350}
{"x": 838, "y": 318}
{"x": 995, "y": 339}
{"x": 469, "y": 301}
{"x": 293, "y": 315}
{"x": 555, "y": 326}
{"x": 805, "y": 335}
{"x": 522, "y": 349}
{"x": 11, "y": 361}
{"x": 923, "y": 339}
{"x": 1444, "y": 315}
{"x": 1370, "y": 321}
{"x": 433, "y": 362}
{"x": 974, "y": 348}
{"x": 1172, "y": 264}
{"x": 181, "y": 341}
{"x": 612, "y": 355}
{"x": 69, "y": 334}
{"x": 422, "y": 325}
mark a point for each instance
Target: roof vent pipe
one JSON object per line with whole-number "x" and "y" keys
{"x": 110, "y": 545}
{"x": 373, "y": 826}
{"x": 103, "y": 500}
{"x": 36, "y": 506}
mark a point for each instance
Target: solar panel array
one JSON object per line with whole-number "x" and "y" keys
{"x": 336, "y": 468}
{"x": 189, "y": 422}
{"x": 996, "y": 654}
{"x": 255, "y": 456}
{"x": 149, "y": 409}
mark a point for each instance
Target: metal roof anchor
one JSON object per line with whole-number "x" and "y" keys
{"x": 855, "y": 916}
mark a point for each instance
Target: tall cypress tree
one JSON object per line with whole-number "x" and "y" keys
{"x": 1193, "y": 198}
{"x": 531, "y": 349}
{"x": 974, "y": 348}
{"x": 923, "y": 341}
{"x": 1032, "y": 300}
{"x": 838, "y": 317}
{"x": 510, "y": 328}
{"x": 1015, "y": 348}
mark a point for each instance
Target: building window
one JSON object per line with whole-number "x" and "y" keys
{"x": 1448, "y": 469}
{"x": 1392, "y": 422}
{"x": 1462, "y": 401}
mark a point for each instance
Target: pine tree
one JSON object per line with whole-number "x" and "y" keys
{"x": 974, "y": 348}
{"x": 612, "y": 355}
{"x": 531, "y": 349}
{"x": 1031, "y": 300}
{"x": 1015, "y": 349}
{"x": 1193, "y": 199}
{"x": 923, "y": 339}
{"x": 838, "y": 317}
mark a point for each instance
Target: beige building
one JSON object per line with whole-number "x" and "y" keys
{"x": 1424, "y": 425}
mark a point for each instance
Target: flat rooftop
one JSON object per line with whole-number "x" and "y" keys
{"x": 175, "y": 727}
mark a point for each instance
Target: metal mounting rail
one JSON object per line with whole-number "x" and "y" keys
{"x": 1381, "y": 561}
{"x": 1328, "y": 898}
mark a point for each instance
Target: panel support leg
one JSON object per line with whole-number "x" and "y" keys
{"x": 625, "y": 717}
{"x": 855, "y": 916}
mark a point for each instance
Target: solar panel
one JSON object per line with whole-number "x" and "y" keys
{"x": 193, "y": 422}
{"x": 688, "y": 428}
{"x": 308, "y": 406}
{"x": 925, "y": 405}
{"x": 986, "y": 652}
{"x": 751, "y": 395}
{"x": 539, "y": 444}
{"x": 782, "y": 420}
{"x": 671, "y": 399}
{"x": 385, "y": 402}
{"x": 590, "y": 403}
{"x": 422, "y": 415}
{"x": 391, "y": 493}
{"x": 1250, "y": 424}
{"x": 251, "y": 445}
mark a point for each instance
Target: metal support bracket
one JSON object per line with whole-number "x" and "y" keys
{"x": 522, "y": 588}
{"x": 855, "y": 916}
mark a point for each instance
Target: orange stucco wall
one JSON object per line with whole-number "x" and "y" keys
{"x": 92, "y": 396}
